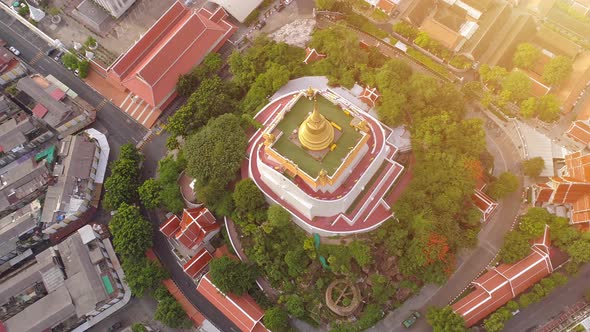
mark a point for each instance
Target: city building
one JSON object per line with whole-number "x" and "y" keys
{"x": 76, "y": 283}
{"x": 569, "y": 189}
{"x": 20, "y": 232}
{"x": 506, "y": 281}
{"x": 20, "y": 133}
{"x": 21, "y": 182}
{"x": 451, "y": 25}
{"x": 190, "y": 238}
{"x": 79, "y": 173}
{"x": 10, "y": 68}
{"x": 173, "y": 46}
{"x": 326, "y": 161}
{"x": 55, "y": 104}
{"x": 242, "y": 310}
{"x": 239, "y": 9}
{"x": 115, "y": 7}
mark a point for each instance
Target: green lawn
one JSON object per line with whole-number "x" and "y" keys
{"x": 306, "y": 162}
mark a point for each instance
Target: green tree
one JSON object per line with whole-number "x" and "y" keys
{"x": 83, "y": 67}
{"x": 142, "y": 275}
{"x": 361, "y": 253}
{"x": 579, "y": 251}
{"x": 171, "y": 198}
{"x": 276, "y": 319}
{"x": 405, "y": 30}
{"x": 131, "y": 232}
{"x": 214, "y": 154}
{"x": 557, "y": 70}
{"x": 381, "y": 288}
{"x": 445, "y": 320}
{"x": 492, "y": 76}
{"x": 138, "y": 327}
{"x": 526, "y": 300}
{"x": 325, "y": 4}
{"x": 526, "y": 55}
{"x": 549, "y": 108}
{"x": 121, "y": 186}
{"x": 70, "y": 61}
{"x": 516, "y": 247}
{"x": 171, "y": 314}
{"x": 472, "y": 90}
{"x": 533, "y": 167}
{"x": 529, "y": 107}
{"x": 296, "y": 306}
{"x": 494, "y": 323}
{"x": 423, "y": 40}
{"x": 265, "y": 84}
{"x": 149, "y": 193}
{"x": 516, "y": 86}
{"x": 533, "y": 222}
{"x": 249, "y": 200}
{"x": 505, "y": 184}
{"x": 231, "y": 276}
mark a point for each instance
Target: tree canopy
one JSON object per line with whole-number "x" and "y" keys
{"x": 131, "y": 232}
{"x": 445, "y": 320}
{"x": 557, "y": 70}
{"x": 232, "y": 276}
{"x": 214, "y": 154}
{"x": 516, "y": 86}
{"x": 506, "y": 184}
{"x": 276, "y": 319}
{"x": 121, "y": 186}
{"x": 526, "y": 55}
{"x": 533, "y": 167}
{"x": 142, "y": 275}
{"x": 516, "y": 247}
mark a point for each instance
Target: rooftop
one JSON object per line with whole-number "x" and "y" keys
{"x": 300, "y": 156}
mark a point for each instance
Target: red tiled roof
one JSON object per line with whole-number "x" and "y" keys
{"x": 39, "y": 111}
{"x": 170, "y": 226}
{"x": 580, "y": 131}
{"x": 312, "y": 55}
{"x": 197, "y": 263}
{"x": 484, "y": 203}
{"x": 177, "y": 42}
{"x": 191, "y": 311}
{"x": 505, "y": 282}
{"x": 241, "y": 310}
{"x": 386, "y": 6}
{"x": 193, "y": 228}
{"x": 57, "y": 94}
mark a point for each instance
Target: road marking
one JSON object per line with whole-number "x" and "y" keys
{"x": 36, "y": 59}
{"x": 500, "y": 151}
{"x": 101, "y": 105}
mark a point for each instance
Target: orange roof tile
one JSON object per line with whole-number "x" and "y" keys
{"x": 505, "y": 282}
{"x": 386, "y": 5}
{"x": 195, "y": 225}
{"x": 177, "y": 42}
{"x": 580, "y": 131}
{"x": 197, "y": 263}
{"x": 241, "y": 310}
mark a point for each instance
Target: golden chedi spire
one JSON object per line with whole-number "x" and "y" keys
{"x": 315, "y": 132}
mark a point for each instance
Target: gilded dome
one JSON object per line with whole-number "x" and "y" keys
{"x": 315, "y": 132}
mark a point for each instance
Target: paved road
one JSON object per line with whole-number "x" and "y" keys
{"x": 120, "y": 129}
{"x": 551, "y": 306}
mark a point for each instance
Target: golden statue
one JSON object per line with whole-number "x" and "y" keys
{"x": 269, "y": 138}
{"x": 316, "y": 133}
{"x": 323, "y": 177}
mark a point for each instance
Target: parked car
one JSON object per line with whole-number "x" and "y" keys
{"x": 395, "y": 14}
{"x": 14, "y": 50}
{"x": 260, "y": 25}
{"x": 58, "y": 56}
{"x": 50, "y": 51}
{"x": 408, "y": 322}
{"x": 77, "y": 72}
{"x": 279, "y": 7}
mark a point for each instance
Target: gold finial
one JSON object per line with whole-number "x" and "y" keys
{"x": 315, "y": 132}
{"x": 310, "y": 92}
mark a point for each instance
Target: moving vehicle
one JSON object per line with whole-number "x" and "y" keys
{"x": 14, "y": 50}
{"x": 408, "y": 322}
{"x": 115, "y": 327}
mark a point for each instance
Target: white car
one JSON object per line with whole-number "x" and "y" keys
{"x": 14, "y": 50}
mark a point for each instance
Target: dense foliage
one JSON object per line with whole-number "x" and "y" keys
{"x": 143, "y": 275}
{"x": 164, "y": 190}
{"x": 132, "y": 234}
{"x": 169, "y": 311}
{"x": 121, "y": 186}
{"x": 445, "y": 320}
{"x": 232, "y": 275}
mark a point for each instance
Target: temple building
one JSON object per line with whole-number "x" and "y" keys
{"x": 568, "y": 194}
{"x": 326, "y": 161}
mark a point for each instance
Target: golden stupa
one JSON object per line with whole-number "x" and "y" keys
{"x": 315, "y": 132}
